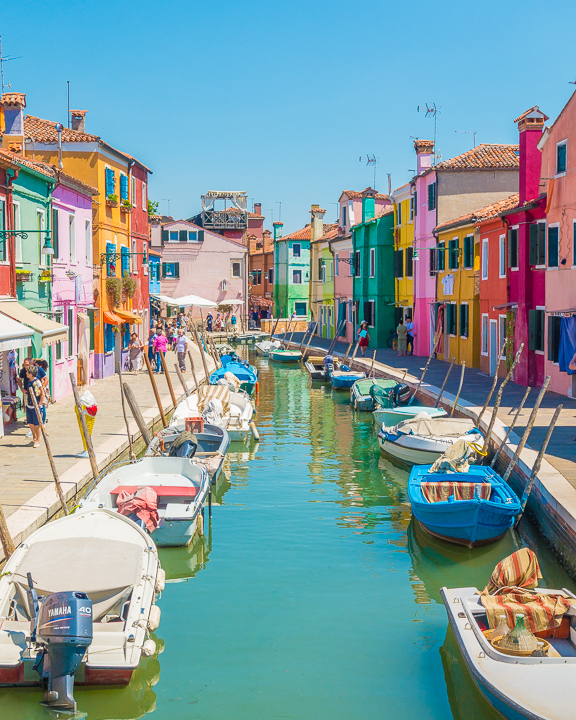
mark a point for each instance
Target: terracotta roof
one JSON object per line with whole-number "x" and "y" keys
{"x": 355, "y": 195}
{"x": 423, "y": 146}
{"x": 484, "y": 156}
{"x": 487, "y": 212}
{"x": 388, "y": 210}
{"x": 330, "y": 234}
{"x": 14, "y": 98}
{"x": 401, "y": 187}
{"x": 32, "y": 165}
{"x": 534, "y": 109}
{"x": 305, "y": 233}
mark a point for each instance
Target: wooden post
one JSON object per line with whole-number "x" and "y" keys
{"x": 444, "y": 383}
{"x": 202, "y": 355}
{"x": 168, "y": 379}
{"x": 307, "y": 345}
{"x": 274, "y": 328}
{"x": 459, "y": 389}
{"x": 181, "y": 378}
{"x": 347, "y": 351}
{"x": 304, "y": 338}
{"x": 293, "y": 331}
{"x": 156, "y": 393}
{"x": 354, "y": 353}
{"x": 529, "y": 427}
{"x": 498, "y": 400}
{"x": 493, "y": 383}
{"x": 87, "y": 438}
{"x": 193, "y": 369}
{"x": 511, "y": 427}
{"x": 132, "y": 455}
{"x": 373, "y": 361}
{"x": 536, "y": 468}
{"x": 136, "y": 414}
{"x": 287, "y": 331}
{"x": 5, "y": 539}
{"x": 424, "y": 371}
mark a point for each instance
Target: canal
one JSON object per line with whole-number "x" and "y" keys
{"x": 313, "y": 595}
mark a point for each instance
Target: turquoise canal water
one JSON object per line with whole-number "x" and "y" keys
{"x": 314, "y": 596}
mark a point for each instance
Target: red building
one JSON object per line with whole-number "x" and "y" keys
{"x": 7, "y": 254}
{"x": 261, "y": 265}
{"x": 139, "y": 241}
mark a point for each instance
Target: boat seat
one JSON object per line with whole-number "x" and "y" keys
{"x": 161, "y": 490}
{"x": 441, "y": 490}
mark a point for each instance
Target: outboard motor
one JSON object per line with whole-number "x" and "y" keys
{"x": 62, "y": 630}
{"x": 184, "y": 446}
{"x": 402, "y": 394}
{"x": 328, "y": 363}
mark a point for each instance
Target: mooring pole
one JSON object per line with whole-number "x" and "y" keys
{"x": 137, "y": 414}
{"x": 444, "y": 383}
{"x": 5, "y": 538}
{"x": 156, "y": 393}
{"x": 510, "y": 428}
{"x": 459, "y": 388}
{"x": 168, "y": 378}
{"x": 132, "y": 455}
{"x": 493, "y": 384}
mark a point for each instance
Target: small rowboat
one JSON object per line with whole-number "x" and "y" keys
{"x": 263, "y": 348}
{"x": 345, "y": 379}
{"x": 362, "y": 398}
{"x": 472, "y": 508}
{"x": 392, "y": 416}
{"x": 519, "y": 687}
{"x": 284, "y": 356}
{"x": 316, "y": 368}
{"x": 219, "y": 406}
{"x": 422, "y": 440}
{"x": 246, "y": 373}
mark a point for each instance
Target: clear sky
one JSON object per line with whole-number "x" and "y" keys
{"x": 282, "y": 98}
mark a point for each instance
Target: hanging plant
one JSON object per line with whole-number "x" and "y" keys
{"x": 129, "y": 285}
{"x": 114, "y": 287}
{"x": 510, "y": 323}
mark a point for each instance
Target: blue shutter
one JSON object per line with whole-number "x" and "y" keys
{"x": 110, "y": 260}
{"x": 123, "y": 187}
{"x": 110, "y": 182}
{"x": 125, "y": 266}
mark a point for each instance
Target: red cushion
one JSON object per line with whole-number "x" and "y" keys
{"x": 161, "y": 490}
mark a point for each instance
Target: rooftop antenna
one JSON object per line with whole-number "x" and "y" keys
{"x": 279, "y": 202}
{"x": 68, "y": 116}
{"x": 168, "y": 201}
{"x": 431, "y": 110}
{"x": 272, "y": 211}
{"x": 389, "y": 184}
{"x": 370, "y": 160}
{"x": 4, "y": 59}
{"x": 468, "y": 132}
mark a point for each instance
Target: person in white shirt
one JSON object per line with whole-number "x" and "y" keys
{"x": 410, "y": 335}
{"x": 182, "y": 343}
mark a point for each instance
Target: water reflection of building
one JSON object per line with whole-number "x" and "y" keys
{"x": 185, "y": 562}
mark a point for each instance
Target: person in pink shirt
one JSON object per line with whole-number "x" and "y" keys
{"x": 160, "y": 345}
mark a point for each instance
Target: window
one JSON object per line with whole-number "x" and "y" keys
{"x": 301, "y": 309}
{"x": 484, "y": 338}
{"x": 415, "y": 205}
{"x": 236, "y": 269}
{"x": 224, "y": 285}
{"x": 40, "y": 226}
{"x": 349, "y": 311}
{"x": 554, "y": 326}
{"x": 398, "y": 263}
{"x": 502, "y": 256}
{"x": 170, "y": 270}
{"x": 485, "y": 259}
{"x": 553, "y": 246}
{"x": 322, "y": 271}
{"x": 399, "y": 213}
{"x": 372, "y": 262}
{"x": 453, "y": 252}
{"x": 502, "y": 331}
{"x": 432, "y": 196}
{"x": 464, "y": 320}
{"x": 257, "y": 277}
{"x": 296, "y": 250}
{"x": 441, "y": 264}
{"x": 411, "y": 209}
{"x": 144, "y": 207}
{"x": 3, "y": 240}
{"x": 72, "y": 237}
{"x": 468, "y": 255}
{"x": 451, "y": 318}
{"x": 357, "y": 263}
{"x": 336, "y": 265}
{"x": 110, "y": 181}
{"x": 88, "y": 241}
{"x": 110, "y": 259}
{"x": 369, "y": 312}
{"x": 409, "y": 262}
{"x": 561, "y": 157}
{"x": 351, "y": 264}
{"x": 134, "y": 257}
{"x": 271, "y": 275}
{"x": 91, "y": 312}
{"x": 145, "y": 258}
{"x": 192, "y": 236}
{"x": 123, "y": 187}
{"x": 133, "y": 191}
{"x": 513, "y": 248}
{"x": 18, "y": 239}
{"x": 173, "y": 236}
{"x": 536, "y": 329}
{"x": 108, "y": 337}
{"x": 537, "y": 252}
{"x": 343, "y": 216}
{"x": 70, "y": 332}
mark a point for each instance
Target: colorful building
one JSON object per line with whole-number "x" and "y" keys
{"x": 342, "y": 246}
{"x": 261, "y": 271}
{"x": 321, "y": 273}
{"x": 404, "y": 250}
{"x": 292, "y": 272}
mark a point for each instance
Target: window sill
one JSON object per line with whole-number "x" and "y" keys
{"x": 514, "y": 269}
{"x": 501, "y": 277}
{"x": 552, "y": 267}
{"x": 539, "y": 352}
{"x": 560, "y": 175}
{"x": 484, "y": 354}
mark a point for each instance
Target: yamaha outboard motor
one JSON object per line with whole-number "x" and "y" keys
{"x": 402, "y": 394}
{"x": 328, "y": 363}
{"x": 184, "y": 446}
{"x": 62, "y": 630}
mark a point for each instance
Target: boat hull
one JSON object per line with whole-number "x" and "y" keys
{"x": 393, "y": 416}
{"x": 344, "y": 381}
{"x": 285, "y": 357}
{"x": 405, "y": 455}
{"x": 175, "y": 533}
{"x": 416, "y": 449}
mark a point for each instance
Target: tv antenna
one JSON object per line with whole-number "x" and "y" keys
{"x": 431, "y": 110}
{"x": 468, "y": 132}
{"x": 371, "y": 161}
{"x": 4, "y": 59}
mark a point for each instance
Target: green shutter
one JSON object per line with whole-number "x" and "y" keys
{"x": 183, "y": 235}
{"x": 177, "y": 269}
{"x": 409, "y": 262}
{"x": 464, "y": 320}
{"x": 200, "y": 235}
{"x": 164, "y": 236}
{"x": 541, "y": 243}
{"x": 401, "y": 263}
{"x": 532, "y": 329}
{"x": 554, "y": 325}
{"x": 163, "y": 269}
{"x": 533, "y": 255}
{"x": 91, "y": 316}
{"x": 552, "y": 247}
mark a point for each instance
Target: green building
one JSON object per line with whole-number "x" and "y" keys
{"x": 291, "y": 272}
{"x": 374, "y": 281}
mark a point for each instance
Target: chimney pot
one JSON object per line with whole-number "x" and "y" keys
{"x": 258, "y": 208}
{"x": 78, "y": 120}
{"x": 13, "y": 105}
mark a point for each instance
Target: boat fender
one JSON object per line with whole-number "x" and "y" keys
{"x": 200, "y": 524}
{"x": 344, "y": 368}
{"x": 154, "y": 618}
{"x": 160, "y": 580}
{"x": 149, "y": 648}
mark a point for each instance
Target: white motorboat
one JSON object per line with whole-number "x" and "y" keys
{"x": 218, "y": 405}
{"x": 519, "y": 687}
{"x": 422, "y": 440}
{"x": 171, "y": 511}
{"x": 95, "y": 576}
{"x": 264, "y": 347}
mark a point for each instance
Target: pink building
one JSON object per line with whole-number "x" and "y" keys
{"x": 72, "y": 282}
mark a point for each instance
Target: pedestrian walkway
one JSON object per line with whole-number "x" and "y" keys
{"x": 561, "y": 453}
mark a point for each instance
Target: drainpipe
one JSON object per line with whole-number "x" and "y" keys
{"x": 59, "y": 131}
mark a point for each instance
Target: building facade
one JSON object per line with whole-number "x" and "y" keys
{"x": 261, "y": 271}
{"x": 292, "y": 273}
{"x": 404, "y": 250}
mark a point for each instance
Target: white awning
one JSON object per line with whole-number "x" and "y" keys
{"x": 51, "y": 331}
{"x": 232, "y": 302}
{"x": 185, "y": 300}
{"x": 14, "y": 335}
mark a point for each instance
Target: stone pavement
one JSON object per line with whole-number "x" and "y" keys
{"x": 25, "y": 472}
{"x": 561, "y": 453}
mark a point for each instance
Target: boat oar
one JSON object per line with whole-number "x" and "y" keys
{"x": 459, "y": 389}
{"x": 444, "y": 383}
{"x": 529, "y": 427}
{"x": 520, "y": 407}
{"x": 132, "y": 455}
{"x": 493, "y": 383}
{"x": 536, "y": 468}
{"x": 497, "y": 402}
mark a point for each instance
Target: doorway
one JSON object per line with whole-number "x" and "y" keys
{"x": 493, "y": 347}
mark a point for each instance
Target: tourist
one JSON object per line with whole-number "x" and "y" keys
{"x": 181, "y": 348}
{"x": 34, "y": 385}
{"x": 409, "y": 335}
{"x": 364, "y": 337}
{"x": 209, "y": 322}
{"x": 160, "y": 346}
{"x": 43, "y": 365}
{"x": 151, "y": 338}
{"x": 23, "y": 381}
{"x": 233, "y": 323}
{"x": 218, "y": 323}
{"x": 135, "y": 351}
{"x": 170, "y": 336}
{"x": 402, "y": 331}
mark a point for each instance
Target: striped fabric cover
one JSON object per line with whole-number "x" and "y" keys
{"x": 214, "y": 392}
{"x": 440, "y": 491}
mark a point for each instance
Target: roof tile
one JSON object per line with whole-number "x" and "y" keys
{"x": 484, "y": 156}
{"x": 488, "y": 212}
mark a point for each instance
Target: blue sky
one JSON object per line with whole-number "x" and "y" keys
{"x": 281, "y": 99}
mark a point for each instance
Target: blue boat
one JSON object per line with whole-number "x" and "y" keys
{"x": 487, "y": 509}
{"x": 345, "y": 379}
{"x": 246, "y": 373}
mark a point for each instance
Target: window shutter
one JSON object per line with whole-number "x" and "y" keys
{"x": 177, "y": 269}
{"x": 200, "y": 235}
{"x": 510, "y": 251}
{"x": 123, "y": 187}
{"x": 533, "y": 255}
{"x": 401, "y": 263}
{"x": 541, "y": 243}
{"x": 164, "y": 236}
{"x": 553, "y": 247}
{"x": 183, "y": 235}
{"x": 432, "y": 254}
{"x": 409, "y": 262}
{"x": 55, "y": 232}
{"x": 468, "y": 251}
{"x": 163, "y": 269}
{"x": 532, "y": 329}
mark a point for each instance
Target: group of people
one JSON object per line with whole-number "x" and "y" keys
{"x": 215, "y": 324}
{"x": 33, "y": 377}
{"x": 405, "y": 333}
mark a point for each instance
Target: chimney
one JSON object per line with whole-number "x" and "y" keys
{"x": 530, "y": 127}
{"x": 368, "y": 204}
{"x": 424, "y": 151}
{"x": 317, "y": 222}
{"x": 267, "y": 241}
{"x": 13, "y": 105}
{"x": 78, "y": 120}
{"x": 257, "y": 208}
{"x": 277, "y": 230}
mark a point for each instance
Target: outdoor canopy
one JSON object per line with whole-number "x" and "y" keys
{"x": 51, "y": 331}
{"x": 128, "y": 317}
{"x": 184, "y": 301}
{"x": 13, "y": 334}
{"x": 112, "y": 319}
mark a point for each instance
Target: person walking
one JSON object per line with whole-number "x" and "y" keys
{"x": 181, "y": 347}
{"x": 23, "y": 382}
{"x": 402, "y": 333}
{"x": 34, "y": 385}
{"x": 233, "y": 322}
{"x": 209, "y": 322}
{"x": 160, "y": 345}
{"x": 151, "y": 339}
{"x": 43, "y": 365}
{"x": 409, "y": 335}
{"x": 364, "y": 337}
{"x": 135, "y": 350}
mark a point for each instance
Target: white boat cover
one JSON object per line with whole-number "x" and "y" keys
{"x": 435, "y": 427}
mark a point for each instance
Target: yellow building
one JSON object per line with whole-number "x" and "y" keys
{"x": 457, "y": 290}
{"x": 404, "y": 251}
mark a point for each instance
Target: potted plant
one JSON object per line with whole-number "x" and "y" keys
{"x": 45, "y": 276}
{"x": 23, "y": 275}
{"x": 126, "y": 206}
{"x": 112, "y": 200}
{"x": 129, "y": 285}
{"x": 114, "y": 287}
